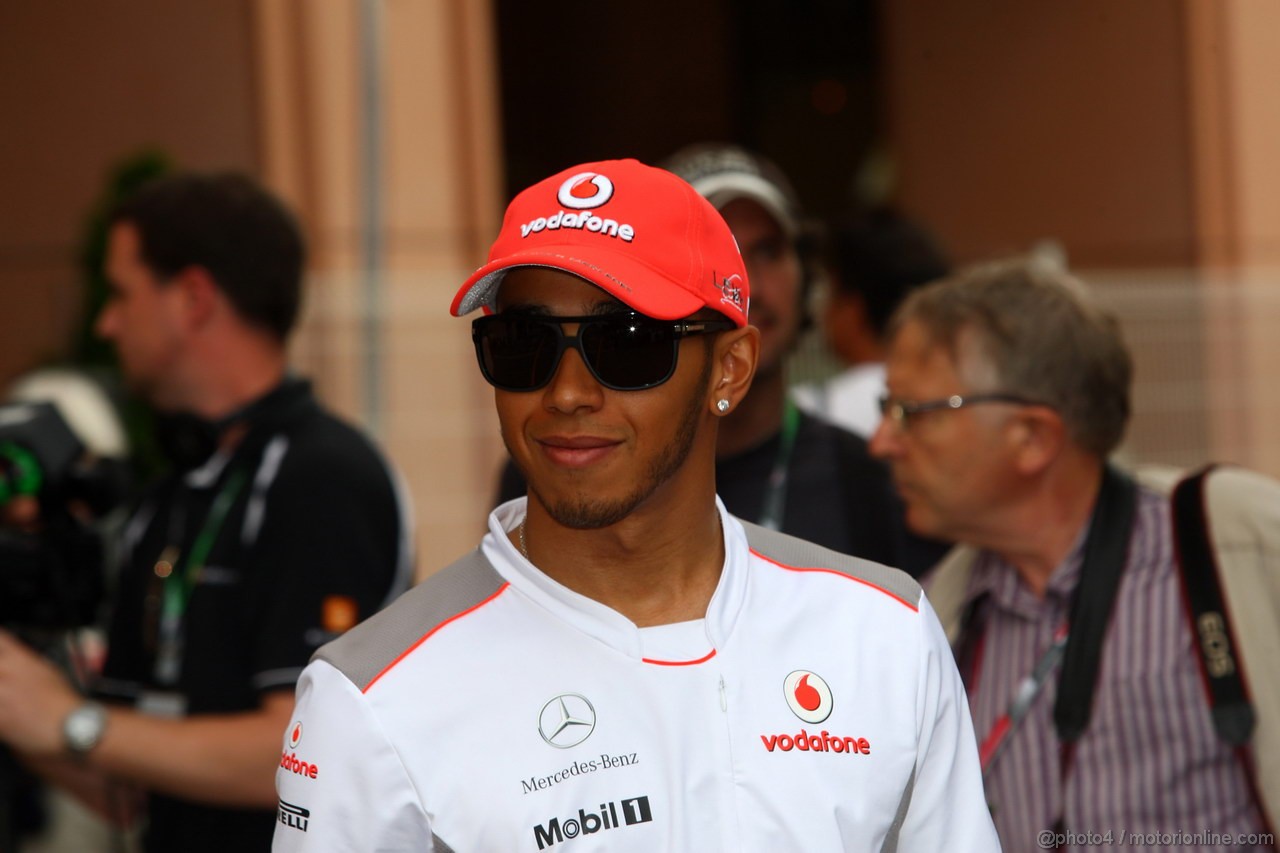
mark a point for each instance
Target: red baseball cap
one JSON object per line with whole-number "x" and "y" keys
{"x": 639, "y": 233}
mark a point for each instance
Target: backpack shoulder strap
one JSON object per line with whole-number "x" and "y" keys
{"x": 1225, "y": 528}
{"x": 1106, "y": 552}
{"x": 1233, "y": 715}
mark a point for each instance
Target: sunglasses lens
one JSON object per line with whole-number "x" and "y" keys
{"x": 629, "y": 354}
{"x": 626, "y": 353}
{"x": 516, "y": 353}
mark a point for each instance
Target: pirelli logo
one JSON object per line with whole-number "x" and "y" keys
{"x": 294, "y": 817}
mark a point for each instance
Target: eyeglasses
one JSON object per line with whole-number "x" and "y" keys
{"x": 624, "y": 351}
{"x": 900, "y": 412}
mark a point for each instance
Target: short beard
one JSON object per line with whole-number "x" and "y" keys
{"x": 584, "y": 513}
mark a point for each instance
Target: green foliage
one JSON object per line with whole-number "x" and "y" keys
{"x": 90, "y": 352}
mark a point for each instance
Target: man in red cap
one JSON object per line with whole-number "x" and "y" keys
{"x": 621, "y": 658}
{"x": 776, "y": 465}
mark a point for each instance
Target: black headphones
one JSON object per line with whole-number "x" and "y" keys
{"x": 188, "y": 440}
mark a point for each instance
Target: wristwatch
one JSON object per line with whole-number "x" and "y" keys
{"x": 83, "y": 728}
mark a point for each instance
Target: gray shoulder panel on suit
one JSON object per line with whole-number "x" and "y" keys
{"x": 800, "y": 554}
{"x": 369, "y": 648}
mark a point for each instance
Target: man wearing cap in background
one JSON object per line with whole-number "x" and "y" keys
{"x": 621, "y": 657}
{"x": 776, "y": 465}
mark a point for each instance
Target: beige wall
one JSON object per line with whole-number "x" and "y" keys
{"x": 272, "y": 87}
{"x": 1013, "y": 122}
{"x": 1142, "y": 138}
{"x": 1236, "y": 127}
{"x": 440, "y": 205}
{"x": 81, "y": 86}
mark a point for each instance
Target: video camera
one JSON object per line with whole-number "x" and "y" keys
{"x": 51, "y": 571}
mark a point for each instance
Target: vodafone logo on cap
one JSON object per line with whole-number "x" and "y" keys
{"x": 584, "y": 191}
{"x": 807, "y": 695}
{"x": 295, "y": 734}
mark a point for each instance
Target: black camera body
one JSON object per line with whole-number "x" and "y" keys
{"x": 50, "y": 577}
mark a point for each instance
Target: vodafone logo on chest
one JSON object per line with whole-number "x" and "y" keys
{"x": 809, "y": 697}
{"x": 583, "y": 192}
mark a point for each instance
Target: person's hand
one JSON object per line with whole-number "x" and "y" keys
{"x": 35, "y": 697}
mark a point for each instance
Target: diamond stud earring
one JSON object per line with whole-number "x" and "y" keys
{"x": 722, "y": 406}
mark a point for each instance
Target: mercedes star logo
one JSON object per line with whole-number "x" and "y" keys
{"x": 567, "y": 720}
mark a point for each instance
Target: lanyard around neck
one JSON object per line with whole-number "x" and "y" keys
{"x": 179, "y": 583}
{"x": 775, "y": 496}
{"x": 1024, "y": 697}
{"x": 1077, "y": 646}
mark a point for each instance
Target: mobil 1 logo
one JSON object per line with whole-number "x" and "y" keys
{"x": 610, "y": 815}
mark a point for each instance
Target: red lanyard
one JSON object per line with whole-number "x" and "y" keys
{"x": 1023, "y": 698}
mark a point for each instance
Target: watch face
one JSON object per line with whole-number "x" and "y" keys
{"x": 83, "y": 727}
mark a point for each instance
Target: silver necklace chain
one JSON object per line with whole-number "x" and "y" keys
{"x": 524, "y": 549}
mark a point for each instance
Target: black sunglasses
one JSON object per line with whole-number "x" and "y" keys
{"x": 624, "y": 351}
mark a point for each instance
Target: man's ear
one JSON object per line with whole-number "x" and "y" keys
{"x": 1038, "y": 436}
{"x": 736, "y": 353}
{"x": 200, "y": 296}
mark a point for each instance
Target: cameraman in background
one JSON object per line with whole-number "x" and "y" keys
{"x": 278, "y": 527}
{"x": 64, "y": 475}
